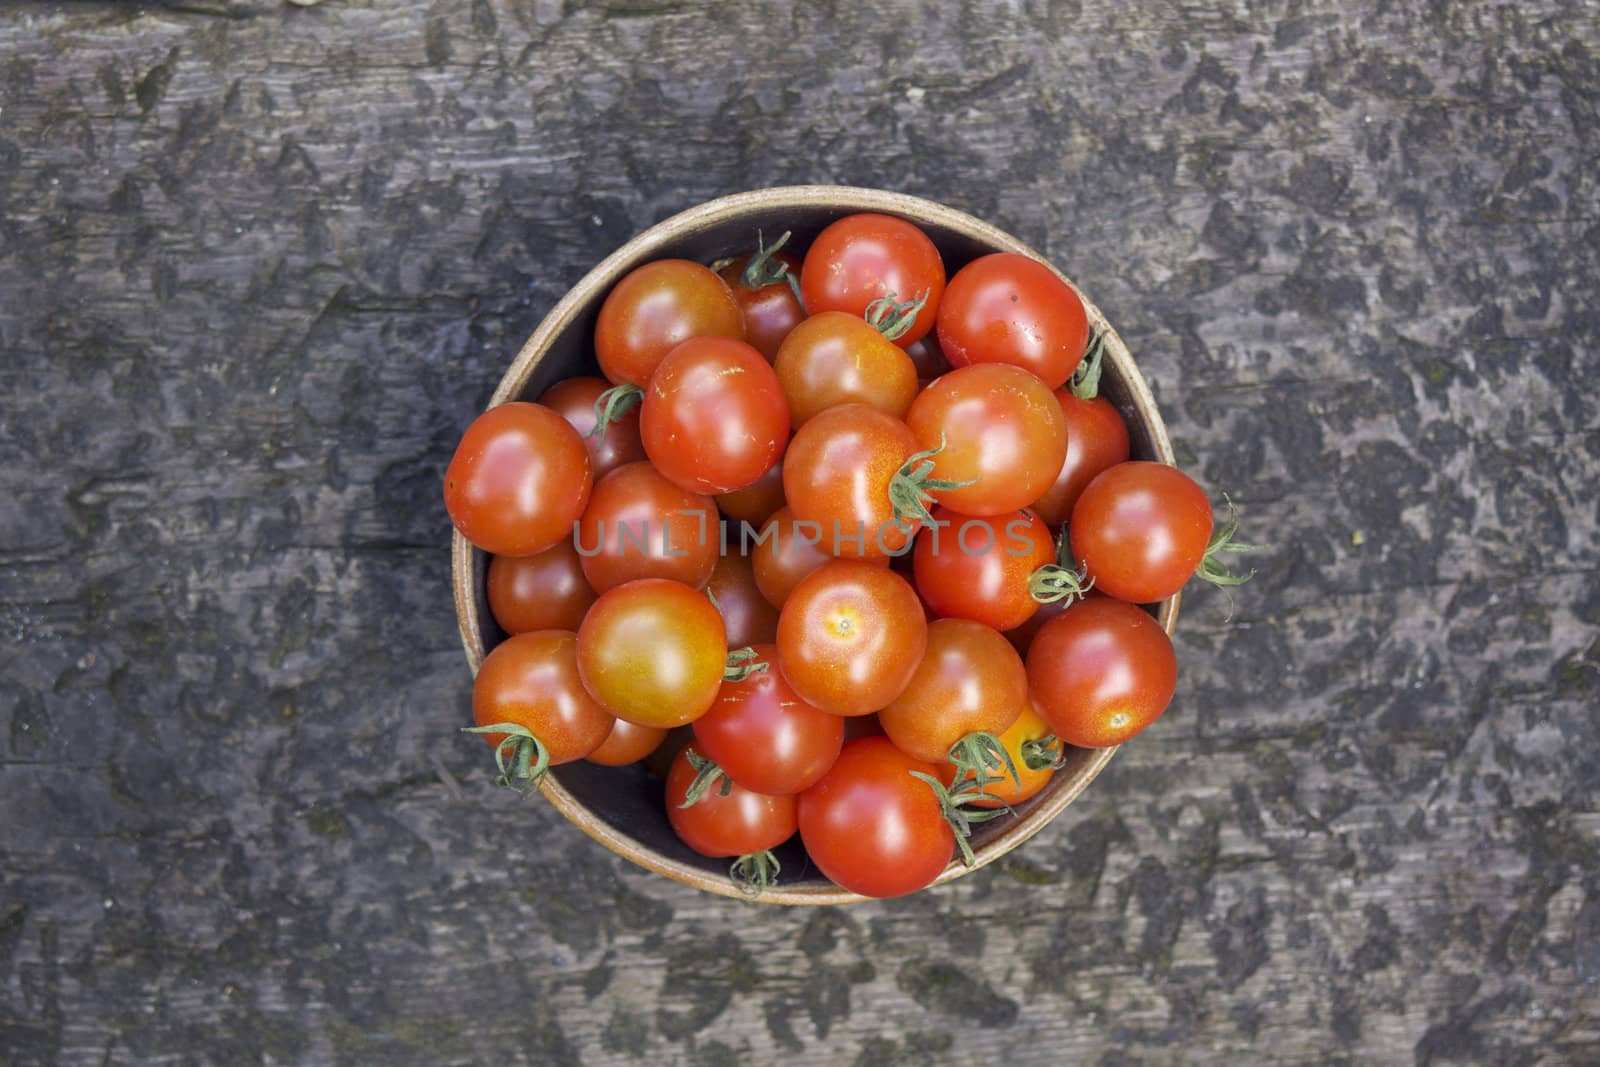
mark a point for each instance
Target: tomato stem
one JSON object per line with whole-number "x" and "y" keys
{"x": 912, "y": 487}
{"x": 742, "y": 663}
{"x": 1039, "y": 753}
{"x": 1214, "y": 570}
{"x": 981, "y": 755}
{"x": 1060, "y": 580}
{"x": 706, "y": 772}
{"x": 612, "y": 404}
{"x": 763, "y": 270}
{"x": 953, "y": 805}
{"x": 754, "y": 872}
{"x": 520, "y": 757}
{"x": 1085, "y": 381}
{"x": 892, "y": 317}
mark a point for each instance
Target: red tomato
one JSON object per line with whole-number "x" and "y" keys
{"x": 833, "y": 358}
{"x": 871, "y": 827}
{"x": 1010, "y": 308}
{"x": 1141, "y": 529}
{"x": 1002, "y": 430}
{"x": 543, "y": 592}
{"x": 656, "y": 307}
{"x": 764, "y": 736}
{"x": 714, "y": 418}
{"x": 1033, "y": 776}
{"x": 1101, "y": 671}
{"x": 734, "y": 825}
{"x": 574, "y": 399}
{"x": 518, "y": 481}
{"x": 627, "y": 743}
{"x": 837, "y": 474}
{"x": 979, "y": 569}
{"x": 1097, "y": 439}
{"x": 653, "y": 652}
{"x": 786, "y": 552}
{"x": 970, "y": 680}
{"x": 756, "y": 502}
{"x": 862, "y": 258}
{"x": 750, "y": 619}
{"x": 850, "y": 637}
{"x": 771, "y": 308}
{"x": 531, "y": 680}
{"x": 639, "y": 525}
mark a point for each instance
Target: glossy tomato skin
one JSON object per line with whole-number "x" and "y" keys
{"x": 532, "y": 680}
{"x": 837, "y": 474}
{"x": 1101, "y": 671}
{"x": 574, "y": 400}
{"x": 835, "y": 358}
{"x": 653, "y": 652}
{"x": 863, "y": 257}
{"x": 713, "y": 418}
{"x": 978, "y": 568}
{"x": 635, "y": 506}
{"x": 771, "y": 310}
{"x": 756, "y": 502}
{"x": 627, "y": 743}
{"x": 1030, "y": 726}
{"x": 765, "y": 737}
{"x": 785, "y": 553}
{"x": 970, "y": 680}
{"x": 1141, "y": 529}
{"x": 1097, "y": 440}
{"x": 1010, "y": 308}
{"x": 543, "y": 592}
{"x": 518, "y": 480}
{"x": 734, "y": 825}
{"x": 871, "y": 827}
{"x": 748, "y": 616}
{"x": 850, "y": 637}
{"x": 656, "y": 307}
{"x": 1002, "y": 430}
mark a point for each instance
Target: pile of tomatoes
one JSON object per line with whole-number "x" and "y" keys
{"x": 818, "y": 512}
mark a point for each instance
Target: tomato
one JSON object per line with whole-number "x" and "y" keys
{"x": 749, "y": 618}
{"x": 759, "y": 282}
{"x": 764, "y": 736}
{"x": 838, "y": 474}
{"x": 531, "y": 680}
{"x": 574, "y": 400}
{"x": 1097, "y": 439}
{"x": 1141, "y": 529}
{"x": 872, "y": 827}
{"x": 656, "y": 307}
{"x": 714, "y": 418}
{"x": 627, "y": 743}
{"x": 1010, "y": 308}
{"x": 543, "y": 592}
{"x": 970, "y": 680}
{"x": 850, "y": 637}
{"x": 1022, "y": 636}
{"x": 833, "y": 358}
{"x": 866, "y": 257}
{"x": 784, "y": 552}
{"x": 1101, "y": 671}
{"x": 639, "y": 525}
{"x": 518, "y": 480}
{"x": 756, "y": 502}
{"x": 979, "y": 569}
{"x": 653, "y": 652}
{"x": 1031, "y": 745}
{"x": 734, "y": 825}
{"x": 1002, "y": 430}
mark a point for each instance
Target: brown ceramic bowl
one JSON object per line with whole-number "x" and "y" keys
{"x": 623, "y": 808}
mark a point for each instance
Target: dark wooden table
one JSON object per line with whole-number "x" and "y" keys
{"x": 260, "y": 264}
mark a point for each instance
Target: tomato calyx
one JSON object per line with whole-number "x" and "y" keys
{"x": 912, "y": 487}
{"x": 612, "y": 404}
{"x": 1214, "y": 570}
{"x": 755, "y": 872}
{"x": 742, "y": 663}
{"x": 520, "y": 757}
{"x": 706, "y": 774}
{"x": 892, "y": 317}
{"x": 1040, "y": 753}
{"x": 954, "y": 805}
{"x": 1085, "y": 381}
{"x": 763, "y": 270}
{"x": 1060, "y": 580}
{"x": 982, "y": 757}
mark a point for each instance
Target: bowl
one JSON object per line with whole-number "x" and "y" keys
{"x": 622, "y": 807}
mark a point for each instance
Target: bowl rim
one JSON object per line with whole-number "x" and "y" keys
{"x": 652, "y": 244}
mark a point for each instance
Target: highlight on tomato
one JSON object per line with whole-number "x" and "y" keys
{"x": 518, "y": 480}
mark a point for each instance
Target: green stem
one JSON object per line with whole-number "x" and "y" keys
{"x": 893, "y": 317}
{"x": 763, "y": 269}
{"x": 1060, "y": 580}
{"x": 954, "y": 805}
{"x": 1214, "y": 570}
{"x": 1085, "y": 381}
{"x": 755, "y": 872}
{"x": 1040, "y": 753}
{"x": 706, "y": 772}
{"x": 520, "y": 756}
{"x": 742, "y": 663}
{"x": 982, "y": 756}
{"x": 913, "y": 485}
{"x": 612, "y": 404}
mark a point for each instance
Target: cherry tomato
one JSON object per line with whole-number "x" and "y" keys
{"x": 770, "y": 310}
{"x": 543, "y": 592}
{"x": 850, "y": 637}
{"x": 714, "y": 418}
{"x": 970, "y": 680}
{"x": 972, "y": 568}
{"x": 653, "y": 652}
{"x": 574, "y": 400}
{"x": 860, "y": 258}
{"x": 734, "y": 825}
{"x": 1141, "y": 530}
{"x": 518, "y": 481}
{"x": 764, "y": 736}
{"x": 1029, "y": 727}
{"x": 1003, "y": 431}
{"x": 871, "y": 827}
{"x": 834, "y": 358}
{"x": 656, "y": 307}
{"x": 746, "y": 613}
{"x": 837, "y": 474}
{"x": 1010, "y": 308}
{"x": 627, "y": 743}
{"x": 1097, "y": 439}
{"x": 1101, "y": 671}
{"x": 532, "y": 680}
{"x": 639, "y": 525}
{"x": 756, "y": 502}
{"x": 786, "y": 552}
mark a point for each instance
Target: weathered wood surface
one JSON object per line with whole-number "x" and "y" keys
{"x": 259, "y": 265}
